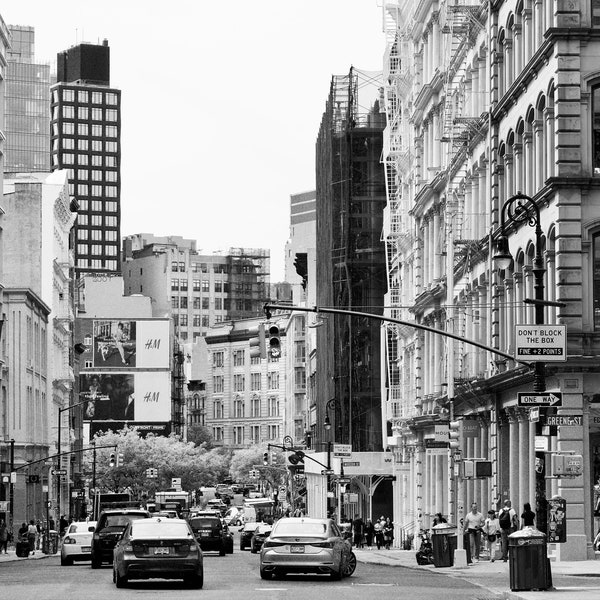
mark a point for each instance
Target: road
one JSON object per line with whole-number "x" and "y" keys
{"x": 230, "y": 577}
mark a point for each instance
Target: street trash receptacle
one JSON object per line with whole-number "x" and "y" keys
{"x": 529, "y": 567}
{"x": 444, "y": 544}
{"x": 50, "y": 542}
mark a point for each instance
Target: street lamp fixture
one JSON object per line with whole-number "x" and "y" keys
{"x": 331, "y": 405}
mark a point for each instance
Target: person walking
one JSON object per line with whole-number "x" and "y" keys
{"x": 528, "y": 516}
{"x": 438, "y": 519}
{"x": 507, "y": 517}
{"x": 358, "y": 531}
{"x": 369, "y": 533}
{"x": 31, "y": 535}
{"x": 473, "y": 524}
{"x": 3, "y": 537}
{"x": 491, "y": 531}
{"x": 379, "y": 534}
{"x": 388, "y": 533}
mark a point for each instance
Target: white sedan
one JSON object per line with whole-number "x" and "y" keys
{"x": 77, "y": 542}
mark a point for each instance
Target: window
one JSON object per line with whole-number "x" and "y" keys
{"x": 238, "y": 408}
{"x": 205, "y": 285}
{"x": 96, "y": 159}
{"x": 218, "y": 358}
{"x": 184, "y": 285}
{"x": 68, "y": 112}
{"x": 273, "y": 432}
{"x": 300, "y": 378}
{"x": 183, "y": 319}
{"x": 111, "y": 131}
{"x": 196, "y": 321}
{"x": 596, "y": 280}
{"x": 111, "y": 146}
{"x": 205, "y": 303}
{"x": 255, "y": 382}
{"x": 255, "y": 406}
{"x": 174, "y": 266}
{"x": 255, "y": 434}
{"x": 238, "y": 383}
{"x": 299, "y": 352}
{"x": 96, "y": 221}
{"x": 174, "y": 301}
{"x": 205, "y": 322}
{"x": 238, "y": 358}
{"x": 218, "y": 384}
{"x": 67, "y": 158}
{"x": 174, "y": 284}
{"x": 82, "y": 112}
{"x": 273, "y": 380}
{"x": 110, "y": 176}
{"x": 218, "y": 409}
{"x": 68, "y": 95}
{"x": 96, "y": 129}
{"x": 183, "y": 303}
{"x": 218, "y": 286}
{"x": 196, "y": 304}
{"x": 82, "y": 96}
{"x": 596, "y": 129}
{"x": 238, "y": 435}
{"x": 96, "y": 97}
{"x": 111, "y": 114}
{"x": 273, "y": 404}
{"x": 111, "y": 191}
{"x": 82, "y": 190}
{"x": 218, "y": 434}
{"x": 111, "y": 98}
{"x": 182, "y": 267}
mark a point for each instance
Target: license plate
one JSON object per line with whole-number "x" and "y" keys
{"x": 161, "y": 551}
{"x": 86, "y": 548}
{"x": 205, "y": 534}
{"x": 296, "y": 549}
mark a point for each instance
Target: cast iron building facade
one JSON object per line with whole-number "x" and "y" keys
{"x": 350, "y": 260}
{"x": 85, "y": 140}
{"x": 27, "y": 115}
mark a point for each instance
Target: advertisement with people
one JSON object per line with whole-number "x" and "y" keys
{"x": 124, "y": 344}
{"x": 140, "y": 396}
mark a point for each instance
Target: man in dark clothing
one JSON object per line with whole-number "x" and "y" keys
{"x": 358, "y": 531}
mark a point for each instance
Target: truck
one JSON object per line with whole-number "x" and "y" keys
{"x": 105, "y": 500}
{"x": 172, "y": 500}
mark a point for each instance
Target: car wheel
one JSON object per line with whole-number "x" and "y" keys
{"x": 65, "y": 562}
{"x": 194, "y": 581}
{"x": 222, "y": 552}
{"x": 120, "y": 581}
{"x": 350, "y": 565}
{"x": 265, "y": 574}
{"x": 242, "y": 546}
{"x": 336, "y": 575}
{"x": 96, "y": 564}
{"x": 253, "y": 549}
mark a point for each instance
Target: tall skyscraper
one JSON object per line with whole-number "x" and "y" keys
{"x": 27, "y": 115}
{"x": 85, "y": 140}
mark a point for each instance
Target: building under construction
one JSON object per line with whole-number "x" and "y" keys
{"x": 350, "y": 261}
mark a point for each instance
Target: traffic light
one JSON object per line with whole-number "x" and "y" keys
{"x": 265, "y": 458}
{"x": 274, "y": 342}
{"x": 120, "y": 460}
{"x": 273, "y": 458}
{"x": 257, "y": 342}
{"x": 112, "y": 461}
{"x": 296, "y": 457}
{"x": 454, "y": 434}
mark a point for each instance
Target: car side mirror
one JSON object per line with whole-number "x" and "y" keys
{"x": 91, "y": 529}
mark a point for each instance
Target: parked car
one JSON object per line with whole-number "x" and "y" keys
{"x": 234, "y": 516}
{"x": 77, "y": 542}
{"x": 261, "y": 533}
{"x": 303, "y": 545}
{"x": 210, "y": 533}
{"x": 246, "y": 533}
{"x": 109, "y": 529}
{"x": 158, "y": 548}
{"x": 217, "y": 504}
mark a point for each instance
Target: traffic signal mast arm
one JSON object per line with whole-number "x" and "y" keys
{"x": 340, "y": 311}
{"x": 301, "y": 455}
{"x": 33, "y": 462}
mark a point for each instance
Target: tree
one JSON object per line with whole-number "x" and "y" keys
{"x": 247, "y": 459}
{"x": 201, "y": 435}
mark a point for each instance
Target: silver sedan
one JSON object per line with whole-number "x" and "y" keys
{"x": 304, "y": 545}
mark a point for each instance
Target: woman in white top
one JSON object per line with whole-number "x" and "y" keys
{"x": 491, "y": 531}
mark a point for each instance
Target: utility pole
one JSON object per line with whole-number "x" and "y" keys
{"x": 13, "y": 476}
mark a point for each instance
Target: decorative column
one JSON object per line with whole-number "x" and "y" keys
{"x": 513, "y": 456}
{"x": 524, "y": 468}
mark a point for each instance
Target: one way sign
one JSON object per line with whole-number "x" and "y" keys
{"x": 545, "y": 399}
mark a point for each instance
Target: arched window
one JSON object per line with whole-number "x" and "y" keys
{"x": 596, "y": 278}
{"x": 529, "y": 154}
{"x": 518, "y": 157}
{"x": 509, "y": 52}
{"x": 501, "y": 60}
{"x": 596, "y": 129}
{"x": 539, "y": 144}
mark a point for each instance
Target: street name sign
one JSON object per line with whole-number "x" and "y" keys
{"x": 544, "y": 399}
{"x": 560, "y": 420}
{"x": 541, "y": 343}
{"x": 353, "y": 463}
{"x": 342, "y": 450}
{"x": 59, "y": 471}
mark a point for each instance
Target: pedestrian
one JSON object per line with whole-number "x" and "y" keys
{"x": 438, "y": 519}
{"x": 528, "y": 516}
{"x": 388, "y": 533}
{"x": 507, "y": 517}
{"x": 358, "y": 531}
{"x": 38, "y": 537}
{"x": 63, "y": 524}
{"x": 491, "y": 531}
{"x": 31, "y": 535}
{"x": 473, "y": 524}
{"x": 3, "y": 537}
{"x": 379, "y": 534}
{"x": 369, "y": 533}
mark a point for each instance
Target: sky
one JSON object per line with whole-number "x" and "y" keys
{"x": 221, "y": 103}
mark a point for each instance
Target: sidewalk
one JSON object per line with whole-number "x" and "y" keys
{"x": 576, "y": 580}
{"x": 12, "y": 555}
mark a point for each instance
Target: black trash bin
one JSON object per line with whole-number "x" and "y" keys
{"x": 444, "y": 544}
{"x": 529, "y": 566}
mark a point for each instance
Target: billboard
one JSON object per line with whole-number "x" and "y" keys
{"x": 124, "y": 344}
{"x": 126, "y": 397}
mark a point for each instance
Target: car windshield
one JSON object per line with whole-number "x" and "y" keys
{"x": 81, "y": 527}
{"x": 121, "y": 520}
{"x": 167, "y": 528}
{"x": 263, "y": 529}
{"x": 299, "y": 528}
{"x": 199, "y": 523}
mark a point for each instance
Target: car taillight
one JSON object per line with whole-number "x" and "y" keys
{"x": 69, "y": 540}
{"x": 323, "y": 544}
{"x": 270, "y": 544}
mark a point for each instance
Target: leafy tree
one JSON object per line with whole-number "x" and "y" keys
{"x": 201, "y": 435}
{"x": 248, "y": 459}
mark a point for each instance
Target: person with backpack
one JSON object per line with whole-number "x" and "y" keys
{"x": 507, "y": 518}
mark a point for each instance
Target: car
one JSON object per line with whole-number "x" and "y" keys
{"x": 218, "y": 505}
{"x": 169, "y": 514}
{"x": 234, "y": 516}
{"x": 261, "y": 533}
{"x": 109, "y": 529}
{"x": 77, "y": 542}
{"x": 306, "y": 545}
{"x": 210, "y": 533}
{"x": 246, "y": 533}
{"x": 158, "y": 547}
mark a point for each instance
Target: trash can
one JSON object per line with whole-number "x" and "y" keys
{"x": 50, "y": 542}
{"x": 444, "y": 544}
{"x": 529, "y": 567}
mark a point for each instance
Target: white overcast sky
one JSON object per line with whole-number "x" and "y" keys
{"x": 221, "y": 103}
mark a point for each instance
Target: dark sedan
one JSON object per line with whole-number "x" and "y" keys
{"x": 261, "y": 533}
{"x": 158, "y": 548}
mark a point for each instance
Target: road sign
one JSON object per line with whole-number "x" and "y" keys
{"x": 541, "y": 342}
{"x": 441, "y": 432}
{"x": 59, "y": 471}
{"x": 569, "y": 420}
{"x": 545, "y": 399}
{"x": 353, "y": 463}
{"x": 534, "y": 414}
{"x": 342, "y": 450}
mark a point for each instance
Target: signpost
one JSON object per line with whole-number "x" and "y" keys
{"x": 59, "y": 471}
{"x": 561, "y": 420}
{"x": 544, "y": 399}
{"x": 541, "y": 343}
